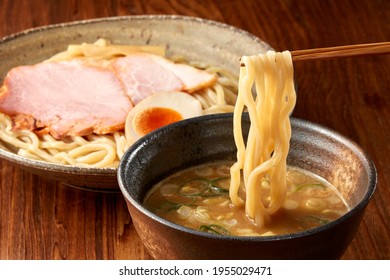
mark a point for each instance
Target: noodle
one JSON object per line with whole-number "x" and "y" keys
{"x": 263, "y": 159}
{"x": 105, "y": 151}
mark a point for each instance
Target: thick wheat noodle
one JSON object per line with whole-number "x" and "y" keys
{"x": 264, "y": 155}
{"x": 106, "y": 150}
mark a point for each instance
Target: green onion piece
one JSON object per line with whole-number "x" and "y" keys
{"x": 194, "y": 187}
{"x": 169, "y": 206}
{"x": 321, "y": 221}
{"x": 213, "y": 228}
{"x": 220, "y": 185}
{"x": 305, "y": 186}
{"x": 209, "y": 193}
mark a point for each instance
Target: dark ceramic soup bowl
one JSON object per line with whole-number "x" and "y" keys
{"x": 210, "y": 138}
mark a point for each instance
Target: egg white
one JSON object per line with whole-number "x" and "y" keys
{"x": 183, "y": 103}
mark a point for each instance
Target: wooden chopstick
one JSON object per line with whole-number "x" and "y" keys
{"x": 341, "y": 51}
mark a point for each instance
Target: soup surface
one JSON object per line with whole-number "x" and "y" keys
{"x": 198, "y": 198}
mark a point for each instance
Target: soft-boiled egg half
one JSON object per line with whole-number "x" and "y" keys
{"x": 158, "y": 110}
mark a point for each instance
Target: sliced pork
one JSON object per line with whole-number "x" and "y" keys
{"x": 65, "y": 99}
{"x": 192, "y": 78}
{"x": 77, "y": 98}
{"x": 145, "y": 74}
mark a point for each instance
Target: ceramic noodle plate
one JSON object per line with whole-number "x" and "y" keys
{"x": 194, "y": 38}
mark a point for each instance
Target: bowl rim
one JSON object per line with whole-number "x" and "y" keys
{"x": 105, "y": 171}
{"x": 294, "y": 122}
{"x": 160, "y": 17}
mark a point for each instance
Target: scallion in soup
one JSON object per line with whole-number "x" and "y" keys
{"x": 198, "y": 198}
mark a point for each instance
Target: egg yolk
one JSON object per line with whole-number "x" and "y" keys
{"x": 153, "y": 118}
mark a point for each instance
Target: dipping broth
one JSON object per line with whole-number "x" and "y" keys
{"x": 198, "y": 198}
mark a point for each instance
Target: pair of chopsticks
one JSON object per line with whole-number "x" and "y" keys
{"x": 340, "y": 52}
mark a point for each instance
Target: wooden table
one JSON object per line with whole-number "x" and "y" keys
{"x": 41, "y": 219}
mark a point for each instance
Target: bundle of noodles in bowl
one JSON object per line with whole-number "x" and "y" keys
{"x": 85, "y": 106}
{"x": 72, "y": 100}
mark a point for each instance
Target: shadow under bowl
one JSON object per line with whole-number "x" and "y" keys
{"x": 210, "y": 138}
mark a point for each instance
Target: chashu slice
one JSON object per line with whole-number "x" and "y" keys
{"x": 145, "y": 74}
{"x": 65, "y": 99}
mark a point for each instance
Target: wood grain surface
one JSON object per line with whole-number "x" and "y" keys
{"x": 41, "y": 219}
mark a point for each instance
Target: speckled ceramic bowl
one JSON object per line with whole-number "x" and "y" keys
{"x": 195, "y": 38}
{"x": 209, "y": 138}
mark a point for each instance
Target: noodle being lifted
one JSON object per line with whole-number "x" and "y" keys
{"x": 263, "y": 159}
{"x": 239, "y": 198}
